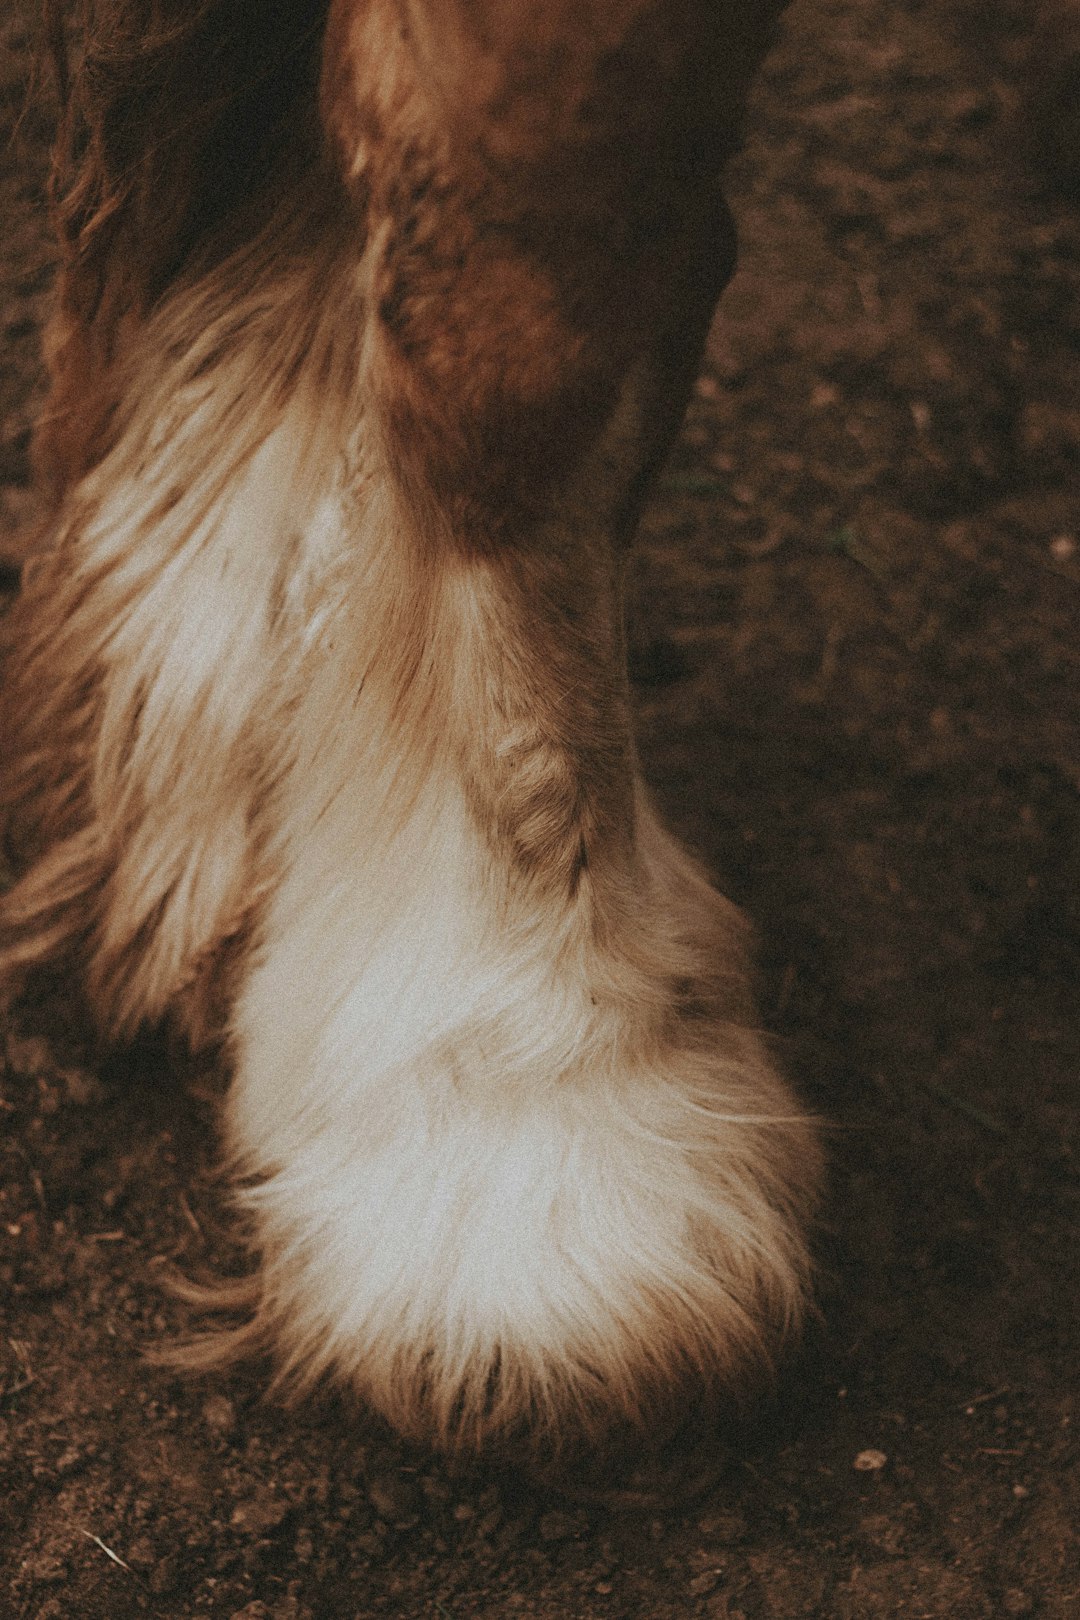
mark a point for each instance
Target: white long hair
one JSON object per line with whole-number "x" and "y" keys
{"x": 318, "y": 735}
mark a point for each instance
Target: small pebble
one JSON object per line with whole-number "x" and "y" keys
{"x": 867, "y": 1462}
{"x": 1062, "y": 547}
{"x": 259, "y": 1515}
{"x": 219, "y": 1413}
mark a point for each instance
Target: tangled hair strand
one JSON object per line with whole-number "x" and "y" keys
{"x": 177, "y": 119}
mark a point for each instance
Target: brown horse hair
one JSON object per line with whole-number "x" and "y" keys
{"x": 175, "y": 120}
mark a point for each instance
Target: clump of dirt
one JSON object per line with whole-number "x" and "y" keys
{"x": 854, "y": 637}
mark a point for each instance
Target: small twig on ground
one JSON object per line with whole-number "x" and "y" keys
{"x": 90, "y": 1536}
{"x": 980, "y": 1400}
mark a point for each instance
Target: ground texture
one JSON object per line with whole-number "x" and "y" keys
{"x": 855, "y": 648}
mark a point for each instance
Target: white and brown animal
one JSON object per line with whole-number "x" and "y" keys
{"x": 374, "y": 320}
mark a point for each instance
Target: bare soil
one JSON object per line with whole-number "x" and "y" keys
{"x": 855, "y": 648}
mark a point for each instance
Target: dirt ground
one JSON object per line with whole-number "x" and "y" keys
{"x": 854, "y": 632}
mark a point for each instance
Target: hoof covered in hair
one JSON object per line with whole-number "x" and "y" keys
{"x": 482, "y": 1256}
{"x": 508, "y": 1171}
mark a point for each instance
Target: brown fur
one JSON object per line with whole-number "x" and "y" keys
{"x": 174, "y": 115}
{"x": 368, "y": 341}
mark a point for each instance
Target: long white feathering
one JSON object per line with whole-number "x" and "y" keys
{"x": 313, "y": 752}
